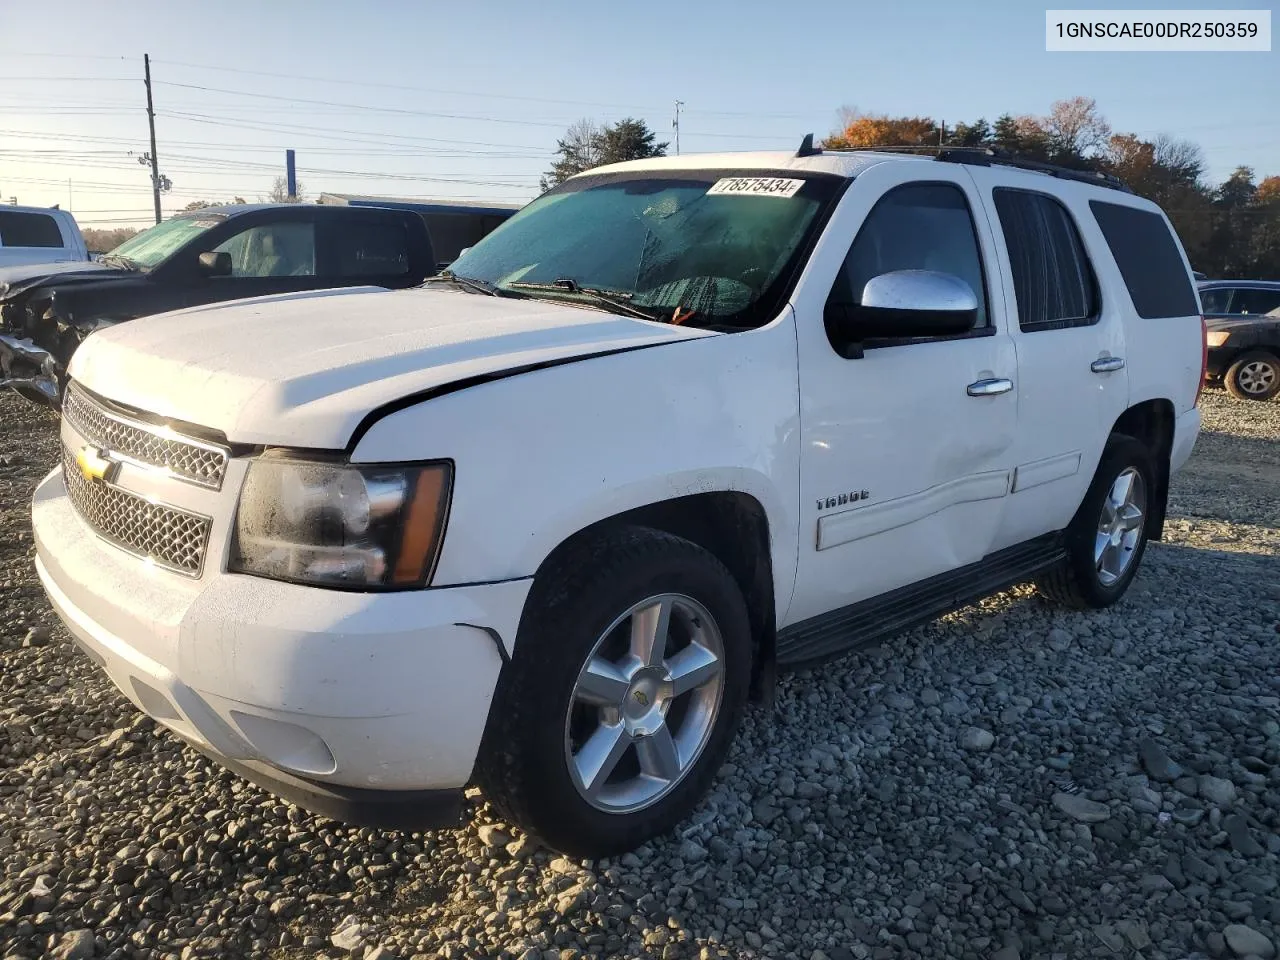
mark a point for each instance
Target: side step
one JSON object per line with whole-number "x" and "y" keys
{"x": 831, "y": 634}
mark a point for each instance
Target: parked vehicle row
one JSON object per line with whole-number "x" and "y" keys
{"x": 1243, "y": 336}
{"x": 548, "y": 522}
{"x": 205, "y": 256}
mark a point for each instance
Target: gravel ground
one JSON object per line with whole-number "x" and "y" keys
{"x": 1010, "y": 782}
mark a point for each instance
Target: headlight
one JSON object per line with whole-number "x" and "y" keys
{"x": 1216, "y": 338}
{"x": 336, "y": 524}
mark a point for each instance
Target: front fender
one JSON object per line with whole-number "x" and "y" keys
{"x": 541, "y": 455}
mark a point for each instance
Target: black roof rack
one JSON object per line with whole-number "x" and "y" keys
{"x": 991, "y": 156}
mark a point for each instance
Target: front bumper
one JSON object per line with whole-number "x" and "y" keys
{"x": 365, "y": 707}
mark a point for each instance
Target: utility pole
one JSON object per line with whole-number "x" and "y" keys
{"x": 151, "y": 120}
{"x": 676, "y": 124}
{"x": 291, "y": 176}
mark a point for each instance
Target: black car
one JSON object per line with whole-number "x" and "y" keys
{"x": 1242, "y": 318}
{"x": 205, "y": 256}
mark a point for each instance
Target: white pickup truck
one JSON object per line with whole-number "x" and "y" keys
{"x": 39, "y": 235}
{"x": 549, "y": 522}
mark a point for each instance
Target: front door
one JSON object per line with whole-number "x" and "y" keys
{"x": 275, "y": 256}
{"x": 905, "y": 462}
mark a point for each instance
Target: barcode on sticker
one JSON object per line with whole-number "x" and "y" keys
{"x": 756, "y": 187}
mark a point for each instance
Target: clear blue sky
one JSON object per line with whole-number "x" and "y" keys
{"x": 491, "y": 85}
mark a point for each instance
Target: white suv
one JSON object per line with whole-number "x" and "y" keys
{"x": 547, "y": 523}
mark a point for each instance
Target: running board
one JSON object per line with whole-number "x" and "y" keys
{"x": 831, "y": 634}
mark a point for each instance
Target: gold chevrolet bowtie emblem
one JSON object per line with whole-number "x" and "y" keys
{"x": 641, "y": 698}
{"x": 94, "y": 465}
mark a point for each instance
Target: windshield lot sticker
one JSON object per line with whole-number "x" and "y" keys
{"x": 756, "y": 187}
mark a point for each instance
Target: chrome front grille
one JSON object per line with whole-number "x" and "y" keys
{"x": 170, "y": 537}
{"x": 144, "y": 443}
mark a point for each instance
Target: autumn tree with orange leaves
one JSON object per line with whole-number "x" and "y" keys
{"x": 1229, "y": 230}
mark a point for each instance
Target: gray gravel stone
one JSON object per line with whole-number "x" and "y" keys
{"x": 977, "y": 739}
{"x": 1245, "y": 941}
{"x": 1081, "y": 808}
{"x": 75, "y": 945}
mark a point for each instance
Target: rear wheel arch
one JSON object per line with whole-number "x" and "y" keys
{"x": 734, "y": 528}
{"x": 1151, "y": 422}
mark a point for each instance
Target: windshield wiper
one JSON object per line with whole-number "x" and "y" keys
{"x": 471, "y": 284}
{"x": 619, "y": 300}
{"x": 116, "y": 260}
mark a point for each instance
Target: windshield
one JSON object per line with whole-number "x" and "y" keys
{"x": 152, "y": 246}
{"x": 706, "y": 248}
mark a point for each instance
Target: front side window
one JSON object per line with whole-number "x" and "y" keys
{"x": 272, "y": 250}
{"x": 716, "y": 249}
{"x": 28, "y": 230}
{"x": 152, "y": 247}
{"x": 1216, "y": 302}
{"x": 920, "y": 226}
{"x": 1053, "y": 281}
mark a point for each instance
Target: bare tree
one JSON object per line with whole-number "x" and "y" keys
{"x": 579, "y": 149}
{"x": 280, "y": 192}
{"x": 1076, "y": 128}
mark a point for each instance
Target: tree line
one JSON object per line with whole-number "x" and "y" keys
{"x": 1229, "y": 229}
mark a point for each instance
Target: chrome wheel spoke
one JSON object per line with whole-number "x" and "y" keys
{"x": 649, "y": 628}
{"x": 691, "y": 668}
{"x": 599, "y": 756}
{"x": 602, "y": 683}
{"x": 1121, "y": 491}
{"x": 658, "y": 754}
{"x": 1100, "y": 544}
{"x": 1130, "y": 517}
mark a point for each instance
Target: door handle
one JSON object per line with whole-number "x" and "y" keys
{"x": 989, "y": 388}
{"x": 1107, "y": 364}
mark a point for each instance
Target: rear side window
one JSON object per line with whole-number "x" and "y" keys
{"x": 1052, "y": 279}
{"x": 29, "y": 230}
{"x": 1216, "y": 301}
{"x": 368, "y": 248}
{"x": 1256, "y": 302}
{"x": 1147, "y": 255}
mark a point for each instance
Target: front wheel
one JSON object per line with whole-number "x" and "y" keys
{"x": 1255, "y": 376}
{"x": 1108, "y": 535}
{"x": 629, "y": 677}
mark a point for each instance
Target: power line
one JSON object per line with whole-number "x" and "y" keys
{"x": 348, "y": 82}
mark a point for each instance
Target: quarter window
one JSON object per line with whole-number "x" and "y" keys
{"x": 919, "y": 226}
{"x": 1052, "y": 279}
{"x": 28, "y": 230}
{"x": 1150, "y": 262}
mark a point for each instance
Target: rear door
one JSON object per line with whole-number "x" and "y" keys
{"x": 361, "y": 249}
{"x": 1069, "y": 335}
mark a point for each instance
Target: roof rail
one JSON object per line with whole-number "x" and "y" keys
{"x": 991, "y": 156}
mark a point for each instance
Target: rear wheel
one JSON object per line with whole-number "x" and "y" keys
{"x": 1108, "y": 535}
{"x": 1255, "y": 376}
{"x": 628, "y": 681}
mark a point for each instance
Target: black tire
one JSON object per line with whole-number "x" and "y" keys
{"x": 1076, "y": 581}
{"x": 522, "y": 767}
{"x": 1251, "y": 363}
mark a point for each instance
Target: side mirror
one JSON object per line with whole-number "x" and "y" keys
{"x": 909, "y": 303}
{"x": 215, "y": 263}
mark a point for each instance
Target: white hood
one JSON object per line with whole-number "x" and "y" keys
{"x": 303, "y": 369}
